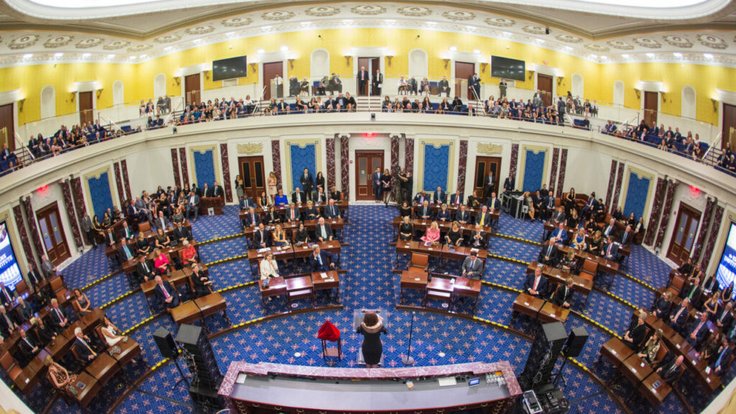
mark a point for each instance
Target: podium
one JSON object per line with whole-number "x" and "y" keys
{"x": 216, "y": 203}
{"x": 358, "y": 319}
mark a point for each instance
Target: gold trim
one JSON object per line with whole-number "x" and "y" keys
{"x": 489, "y": 149}
{"x": 286, "y": 162}
{"x": 250, "y": 148}
{"x": 216, "y": 163}
{"x": 536, "y": 149}
{"x": 436, "y": 143}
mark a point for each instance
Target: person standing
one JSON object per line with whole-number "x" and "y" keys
{"x": 307, "y": 183}
{"x": 474, "y": 83}
{"x": 88, "y": 230}
{"x": 502, "y": 89}
{"x": 363, "y": 80}
{"x": 386, "y": 186}
{"x": 239, "y": 186}
{"x": 272, "y": 184}
{"x": 377, "y": 184}
{"x": 377, "y": 83}
{"x": 372, "y": 348}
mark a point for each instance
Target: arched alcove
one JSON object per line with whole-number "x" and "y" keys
{"x": 418, "y": 64}
{"x": 118, "y": 93}
{"x": 320, "y": 64}
{"x": 688, "y": 102}
{"x": 48, "y": 102}
{"x": 577, "y": 85}
{"x": 618, "y": 93}
{"x": 159, "y": 85}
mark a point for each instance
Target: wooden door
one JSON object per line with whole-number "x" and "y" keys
{"x": 86, "y": 108}
{"x": 7, "y": 126}
{"x": 252, "y": 171}
{"x": 364, "y": 62}
{"x": 544, "y": 86}
{"x": 366, "y": 163}
{"x": 482, "y": 166}
{"x": 651, "y": 106}
{"x": 683, "y": 238}
{"x": 463, "y": 72}
{"x": 191, "y": 89}
{"x": 270, "y": 71}
{"x": 52, "y": 233}
{"x": 728, "y": 133}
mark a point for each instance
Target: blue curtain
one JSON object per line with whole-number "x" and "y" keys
{"x": 302, "y": 158}
{"x": 204, "y": 166}
{"x": 636, "y": 195}
{"x": 436, "y": 165}
{"x": 533, "y": 170}
{"x": 99, "y": 190}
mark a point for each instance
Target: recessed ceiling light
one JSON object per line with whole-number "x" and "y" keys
{"x": 625, "y": 56}
{"x": 230, "y": 34}
{"x": 284, "y": 48}
{"x": 28, "y": 56}
{"x": 58, "y": 55}
{"x": 261, "y": 51}
{"x": 453, "y": 49}
{"x": 266, "y": 28}
{"x": 168, "y": 49}
{"x": 85, "y": 55}
{"x": 650, "y": 55}
{"x": 708, "y": 56}
{"x": 470, "y": 28}
{"x": 594, "y": 56}
{"x": 506, "y": 34}
{"x": 540, "y": 41}
{"x": 197, "y": 41}
{"x": 568, "y": 48}
{"x": 111, "y": 56}
{"x": 677, "y": 54}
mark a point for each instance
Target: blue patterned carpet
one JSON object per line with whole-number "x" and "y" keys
{"x": 369, "y": 283}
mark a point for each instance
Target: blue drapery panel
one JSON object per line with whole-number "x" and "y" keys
{"x": 436, "y": 166}
{"x": 302, "y": 158}
{"x": 204, "y": 168}
{"x": 533, "y": 170}
{"x": 99, "y": 191}
{"x": 636, "y": 195}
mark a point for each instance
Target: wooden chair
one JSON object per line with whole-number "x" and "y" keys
{"x": 144, "y": 227}
{"x": 589, "y": 268}
{"x": 419, "y": 261}
{"x": 21, "y": 288}
{"x": 678, "y": 282}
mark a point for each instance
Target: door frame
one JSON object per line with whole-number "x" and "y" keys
{"x": 43, "y": 212}
{"x": 552, "y": 80}
{"x": 496, "y": 178}
{"x": 241, "y": 161}
{"x": 184, "y": 86}
{"x": 644, "y": 105}
{"x": 693, "y": 213}
{"x": 378, "y": 153}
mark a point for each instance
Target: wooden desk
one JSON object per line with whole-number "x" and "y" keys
{"x": 103, "y": 368}
{"x": 299, "y": 286}
{"x": 186, "y": 312}
{"x": 635, "y": 369}
{"x": 604, "y": 265}
{"x": 276, "y": 287}
{"x": 615, "y": 351}
{"x": 332, "y": 281}
{"x": 90, "y": 391}
{"x": 655, "y": 396}
{"x": 416, "y": 280}
{"x": 212, "y": 304}
{"x": 558, "y": 276}
{"x": 537, "y": 308}
{"x": 128, "y": 351}
{"x": 217, "y": 203}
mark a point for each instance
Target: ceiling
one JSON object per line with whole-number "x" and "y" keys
{"x": 31, "y": 32}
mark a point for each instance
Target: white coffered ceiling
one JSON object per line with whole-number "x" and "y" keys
{"x": 35, "y": 31}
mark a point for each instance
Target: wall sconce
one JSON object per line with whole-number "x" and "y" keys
{"x": 483, "y": 66}
{"x": 663, "y": 94}
{"x": 447, "y": 62}
{"x": 559, "y": 80}
{"x": 531, "y": 74}
{"x": 638, "y": 93}
{"x": 291, "y": 63}
{"x": 388, "y": 59}
{"x": 347, "y": 60}
{"x": 20, "y": 104}
{"x": 177, "y": 79}
{"x": 74, "y": 95}
{"x": 253, "y": 67}
{"x": 714, "y": 101}
{"x": 99, "y": 92}
{"x": 207, "y": 74}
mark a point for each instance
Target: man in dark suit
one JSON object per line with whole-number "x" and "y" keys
{"x": 126, "y": 251}
{"x": 456, "y": 199}
{"x": 126, "y": 232}
{"x": 679, "y": 315}
{"x": 246, "y": 202}
{"x": 28, "y": 346}
{"x": 59, "y": 320}
{"x": 167, "y": 293}
{"x": 6, "y": 295}
{"x": 323, "y": 231}
{"x": 181, "y": 233}
{"x": 494, "y": 203}
{"x": 439, "y": 196}
{"x": 662, "y": 306}
{"x": 444, "y": 86}
{"x": 725, "y": 318}
{"x": 363, "y": 79}
{"x": 260, "y": 237}
{"x": 474, "y": 85}
{"x": 251, "y": 219}
{"x": 217, "y": 190}
{"x": 34, "y": 277}
{"x": 8, "y": 323}
{"x": 549, "y": 254}
{"x": 610, "y": 229}
{"x": 483, "y": 217}
{"x": 420, "y": 198}
{"x": 692, "y": 291}
{"x": 462, "y": 216}
{"x": 297, "y": 197}
{"x": 508, "y": 184}
{"x": 590, "y": 206}
{"x": 721, "y": 357}
{"x": 558, "y": 216}
{"x": 377, "y": 83}
{"x": 635, "y": 336}
{"x": 424, "y": 211}
{"x": 536, "y": 284}
{"x": 110, "y": 237}
{"x": 335, "y": 194}
{"x": 331, "y": 211}
{"x": 472, "y": 266}
{"x": 192, "y": 205}
{"x": 559, "y": 234}
{"x": 321, "y": 261}
{"x": 144, "y": 269}
{"x": 83, "y": 346}
{"x": 377, "y": 184}
{"x": 206, "y": 191}
{"x": 672, "y": 370}
{"x": 610, "y": 249}
{"x": 563, "y": 294}
{"x": 162, "y": 222}
{"x": 488, "y": 185}
{"x": 627, "y": 237}
{"x": 307, "y": 182}
{"x": 698, "y": 330}
{"x": 24, "y": 310}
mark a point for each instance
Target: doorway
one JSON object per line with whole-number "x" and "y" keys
{"x": 544, "y": 86}
{"x": 683, "y": 238}
{"x": 365, "y": 163}
{"x": 252, "y": 171}
{"x": 86, "y": 108}
{"x": 651, "y": 106}
{"x": 272, "y": 70}
{"x": 482, "y": 166}
{"x": 463, "y": 72}
{"x": 191, "y": 89}
{"x": 7, "y": 126}
{"x": 52, "y": 233}
{"x": 728, "y": 133}
{"x": 370, "y": 64}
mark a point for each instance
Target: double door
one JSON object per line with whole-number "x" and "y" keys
{"x": 686, "y": 230}
{"x": 371, "y": 64}
{"x": 483, "y": 167}
{"x": 366, "y": 163}
{"x": 252, "y": 172}
{"x": 52, "y": 233}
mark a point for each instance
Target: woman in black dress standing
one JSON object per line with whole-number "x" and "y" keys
{"x": 371, "y": 328}
{"x": 386, "y": 184}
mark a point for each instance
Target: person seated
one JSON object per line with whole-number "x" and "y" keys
{"x": 483, "y": 218}
{"x": 43, "y": 332}
{"x": 331, "y": 211}
{"x": 84, "y": 347}
{"x": 201, "y": 281}
{"x": 596, "y": 243}
{"x": 144, "y": 269}
{"x": 578, "y": 242}
{"x": 406, "y": 230}
{"x": 549, "y": 254}
{"x": 463, "y": 216}
{"x": 23, "y": 309}
{"x": 81, "y": 302}
{"x": 111, "y": 333}
{"x": 292, "y": 214}
{"x": 28, "y": 347}
{"x": 712, "y": 306}
{"x": 671, "y": 371}
{"x": 142, "y": 245}
{"x": 610, "y": 229}
{"x": 126, "y": 251}
{"x": 188, "y": 254}
{"x": 662, "y": 306}
{"x": 321, "y": 261}
{"x": 269, "y": 267}
{"x": 432, "y": 234}
{"x": 439, "y": 196}
{"x": 726, "y": 317}
{"x": 280, "y": 199}
{"x": 420, "y": 198}
{"x": 251, "y": 219}
{"x": 311, "y": 213}
{"x": 562, "y": 296}
{"x": 721, "y": 357}
{"x": 162, "y": 240}
{"x": 627, "y": 237}
{"x": 323, "y": 231}
{"x": 166, "y": 293}
{"x": 272, "y": 217}
{"x": 59, "y": 320}
{"x": 320, "y": 197}
{"x": 405, "y": 209}
{"x": 443, "y": 214}
{"x": 297, "y": 197}
{"x": 181, "y": 233}
{"x": 679, "y": 316}
{"x": 278, "y": 236}
{"x": 454, "y": 237}
{"x": 560, "y": 234}
{"x": 610, "y": 249}
{"x": 698, "y": 330}
{"x": 335, "y": 194}
{"x": 302, "y": 235}
{"x": 161, "y": 262}
{"x": 60, "y": 378}
{"x": 424, "y": 212}
{"x": 477, "y": 237}
{"x": 260, "y": 237}
{"x": 635, "y": 335}
{"x": 536, "y": 284}
{"x": 472, "y": 266}
{"x": 649, "y": 352}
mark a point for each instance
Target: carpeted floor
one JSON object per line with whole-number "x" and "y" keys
{"x": 369, "y": 283}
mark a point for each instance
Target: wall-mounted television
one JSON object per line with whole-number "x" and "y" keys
{"x": 502, "y": 67}
{"x": 726, "y": 271}
{"x": 231, "y": 68}
{"x": 9, "y": 270}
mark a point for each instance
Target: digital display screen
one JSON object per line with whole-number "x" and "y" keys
{"x": 502, "y": 67}
{"x": 9, "y": 271}
{"x": 231, "y": 68}
{"x": 726, "y": 272}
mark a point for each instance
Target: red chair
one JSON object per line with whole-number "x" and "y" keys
{"x": 327, "y": 333}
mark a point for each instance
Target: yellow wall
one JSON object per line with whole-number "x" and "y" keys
{"x": 138, "y": 78}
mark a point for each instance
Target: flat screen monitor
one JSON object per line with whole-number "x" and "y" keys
{"x": 9, "y": 270}
{"x": 236, "y": 67}
{"x": 502, "y": 67}
{"x": 726, "y": 272}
